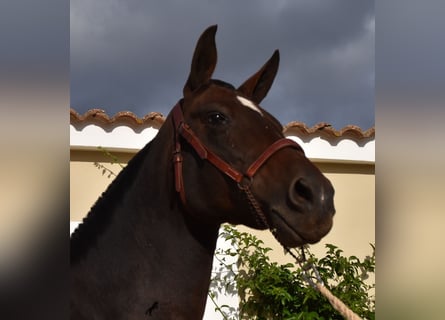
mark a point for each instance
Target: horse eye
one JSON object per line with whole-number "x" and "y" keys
{"x": 216, "y": 118}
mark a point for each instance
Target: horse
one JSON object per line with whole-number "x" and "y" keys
{"x": 145, "y": 248}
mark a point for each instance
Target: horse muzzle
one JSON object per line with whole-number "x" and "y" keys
{"x": 308, "y": 213}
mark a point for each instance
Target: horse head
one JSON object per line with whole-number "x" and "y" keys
{"x": 233, "y": 162}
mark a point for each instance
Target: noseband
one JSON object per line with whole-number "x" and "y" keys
{"x": 243, "y": 180}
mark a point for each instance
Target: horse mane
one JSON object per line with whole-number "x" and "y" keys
{"x": 100, "y": 214}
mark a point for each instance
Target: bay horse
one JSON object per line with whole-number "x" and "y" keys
{"x": 145, "y": 248}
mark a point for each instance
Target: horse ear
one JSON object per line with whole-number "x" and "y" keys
{"x": 204, "y": 61}
{"x": 258, "y": 85}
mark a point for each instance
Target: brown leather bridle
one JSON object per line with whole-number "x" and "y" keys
{"x": 243, "y": 180}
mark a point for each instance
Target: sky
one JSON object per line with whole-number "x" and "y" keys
{"x": 135, "y": 55}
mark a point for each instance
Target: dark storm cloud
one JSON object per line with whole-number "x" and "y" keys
{"x": 135, "y": 55}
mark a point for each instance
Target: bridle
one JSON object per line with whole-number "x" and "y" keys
{"x": 243, "y": 180}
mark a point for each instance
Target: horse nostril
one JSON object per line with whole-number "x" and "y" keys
{"x": 302, "y": 189}
{"x": 312, "y": 195}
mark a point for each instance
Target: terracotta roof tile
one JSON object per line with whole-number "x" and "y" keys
{"x": 100, "y": 117}
{"x": 155, "y": 119}
{"x": 325, "y": 129}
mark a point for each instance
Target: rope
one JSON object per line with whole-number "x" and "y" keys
{"x": 336, "y": 303}
{"x": 254, "y": 205}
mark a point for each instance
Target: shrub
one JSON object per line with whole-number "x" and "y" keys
{"x": 268, "y": 290}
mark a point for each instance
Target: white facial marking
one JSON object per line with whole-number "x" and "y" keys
{"x": 249, "y": 104}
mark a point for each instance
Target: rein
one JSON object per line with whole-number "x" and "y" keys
{"x": 244, "y": 181}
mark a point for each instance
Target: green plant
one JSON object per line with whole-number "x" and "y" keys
{"x": 268, "y": 290}
{"x": 113, "y": 160}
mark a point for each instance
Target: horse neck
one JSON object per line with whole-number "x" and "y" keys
{"x": 153, "y": 251}
{"x": 163, "y": 207}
